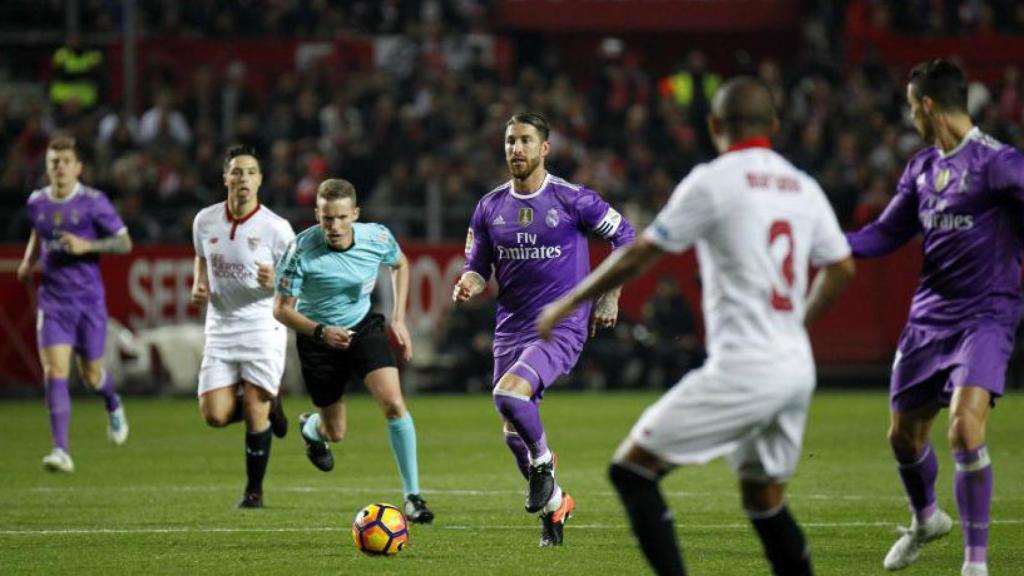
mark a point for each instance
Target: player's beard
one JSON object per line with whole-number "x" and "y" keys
{"x": 523, "y": 171}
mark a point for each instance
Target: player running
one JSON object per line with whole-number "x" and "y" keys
{"x": 238, "y": 243}
{"x": 532, "y": 231}
{"x": 72, "y": 225}
{"x": 964, "y": 196}
{"x": 757, "y": 223}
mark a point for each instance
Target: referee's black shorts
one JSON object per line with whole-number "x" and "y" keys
{"x": 328, "y": 371}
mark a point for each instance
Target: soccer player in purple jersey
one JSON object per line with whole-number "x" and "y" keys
{"x": 532, "y": 231}
{"x": 72, "y": 225}
{"x": 964, "y": 196}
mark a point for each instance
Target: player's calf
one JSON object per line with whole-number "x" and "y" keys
{"x": 649, "y": 516}
{"x": 784, "y": 542}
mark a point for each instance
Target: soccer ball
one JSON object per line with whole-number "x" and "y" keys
{"x": 380, "y": 529}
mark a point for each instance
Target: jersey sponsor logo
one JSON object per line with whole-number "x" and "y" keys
{"x": 233, "y": 270}
{"x": 525, "y": 216}
{"x": 469, "y": 241}
{"x": 942, "y": 179}
{"x": 551, "y": 219}
{"x": 527, "y": 249}
{"x": 499, "y": 221}
{"x": 944, "y": 221}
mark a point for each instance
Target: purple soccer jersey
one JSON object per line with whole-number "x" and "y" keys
{"x": 68, "y": 280}
{"x": 537, "y": 246}
{"x": 967, "y": 206}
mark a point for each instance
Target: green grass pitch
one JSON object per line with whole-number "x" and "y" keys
{"x": 164, "y": 502}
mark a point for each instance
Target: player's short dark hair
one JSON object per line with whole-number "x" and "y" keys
{"x": 745, "y": 106}
{"x": 240, "y": 150}
{"x": 337, "y": 189}
{"x": 943, "y": 82}
{"x": 533, "y": 119}
{"x": 63, "y": 142}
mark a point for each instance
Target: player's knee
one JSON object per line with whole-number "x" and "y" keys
{"x": 964, "y": 431}
{"x": 904, "y": 444}
{"x": 216, "y": 420}
{"x": 393, "y": 410}
{"x": 761, "y": 497}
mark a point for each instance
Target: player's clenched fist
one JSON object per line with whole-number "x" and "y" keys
{"x": 468, "y": 286}
{"x": 265, "y": 274}
{"x": 200, "y": 294}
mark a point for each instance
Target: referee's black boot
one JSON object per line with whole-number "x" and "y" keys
{"x": 318, "y": 451}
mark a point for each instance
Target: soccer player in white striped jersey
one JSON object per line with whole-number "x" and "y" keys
{"x": 238, "y": 245}
{"x": 757, "y": 224}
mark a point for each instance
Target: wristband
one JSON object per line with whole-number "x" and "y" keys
{"x": 318, "y": 333}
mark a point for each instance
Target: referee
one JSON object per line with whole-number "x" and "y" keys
{"x": 323, "y": 293}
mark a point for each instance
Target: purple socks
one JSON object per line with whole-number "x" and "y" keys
{"x": 919, "y": 482}
{"x": 58, "y": 400}
{"x": 973, "y": 488}
{"x": 525, "y": 417}
{"x": 519, "y": 452}
{"x": 106, "y": 389}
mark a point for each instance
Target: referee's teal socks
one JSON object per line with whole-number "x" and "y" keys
{"x": 402, "y": 433}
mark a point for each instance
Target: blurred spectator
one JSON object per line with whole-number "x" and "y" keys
{"x": 164, "y": 126}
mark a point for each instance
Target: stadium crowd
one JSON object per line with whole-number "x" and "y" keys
{"x": 418, "y": 132}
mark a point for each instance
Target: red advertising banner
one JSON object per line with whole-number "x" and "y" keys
{"x": 151, "y": 287}
{"x": 620, "y": 15}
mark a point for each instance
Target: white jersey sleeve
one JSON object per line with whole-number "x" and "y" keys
{"x": 197, "y": 242}
{"x": 690, "y": 212}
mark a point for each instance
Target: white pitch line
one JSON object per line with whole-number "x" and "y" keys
{"x": 681, "y": 527}
{"x": 459, "y": 492}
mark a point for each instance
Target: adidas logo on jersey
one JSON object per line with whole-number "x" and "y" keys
{"x": 498, "y": 221}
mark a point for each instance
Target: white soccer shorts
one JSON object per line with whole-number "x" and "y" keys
{"x": 217, "y": 372}
{"x": 756, "y": 421}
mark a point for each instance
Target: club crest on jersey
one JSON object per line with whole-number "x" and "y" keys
{"x": 525, "y": 216}
{"x": 469, "y": 241}
{"x": 551, "y": 219}
{"x": 58, "y": 218}
{"x": 942, "y": 179}
{"x": 254, "y": 243}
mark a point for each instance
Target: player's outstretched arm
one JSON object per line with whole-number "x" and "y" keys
{"x": 30, "y": 258}
{"x": 116, "y": 244}
{"x": 827, "y": 286}
{"x": 468, "y": 286}
{"x": 622, "y": 266}
{"x": 400, "y": 293}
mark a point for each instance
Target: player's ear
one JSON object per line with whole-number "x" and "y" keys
{"x": 355, "y": 213}
{"x": 714, "y": 126}
{"x": 545, "y": 148}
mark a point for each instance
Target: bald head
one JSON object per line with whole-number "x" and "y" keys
{"x": 743, "y": 108}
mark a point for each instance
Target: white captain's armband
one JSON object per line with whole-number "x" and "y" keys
{"x": 609, "y": 224}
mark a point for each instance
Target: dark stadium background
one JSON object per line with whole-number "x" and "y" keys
{"x": 408, "y": 100}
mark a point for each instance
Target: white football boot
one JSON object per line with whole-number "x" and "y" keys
{"x": 908, "y": 547}
{"x": 58, "y": 461}
{"x": 974, "y": 569}
{"x": 117, "y": 426}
